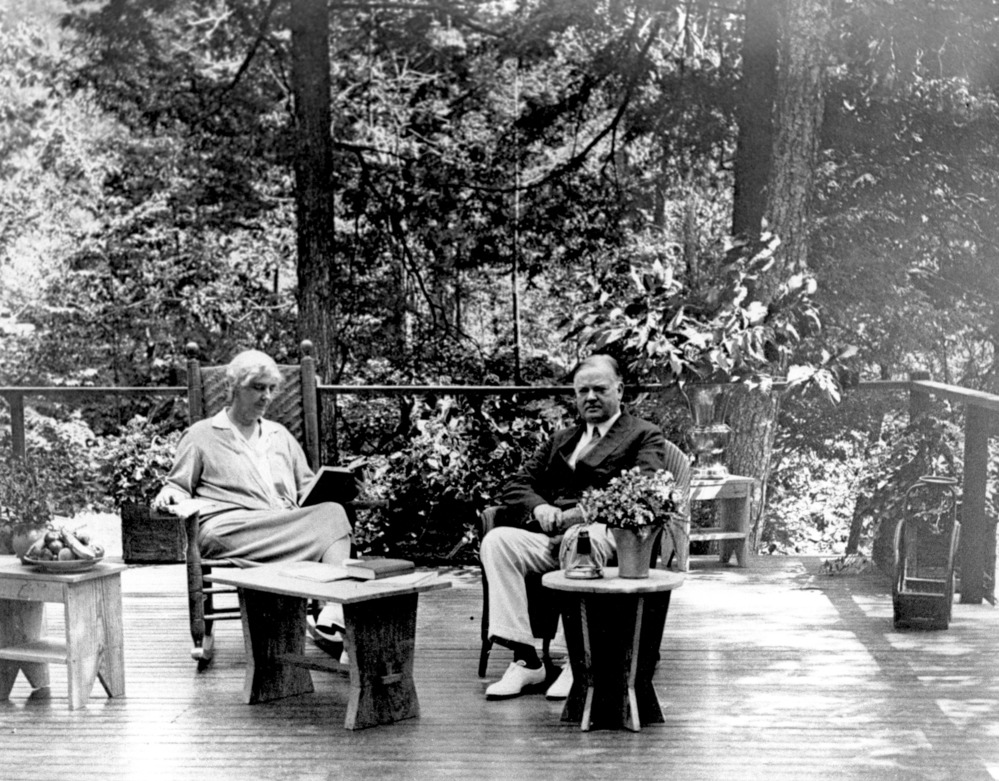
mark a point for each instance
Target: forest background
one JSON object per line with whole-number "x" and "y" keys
{"x": 480, "y": 193}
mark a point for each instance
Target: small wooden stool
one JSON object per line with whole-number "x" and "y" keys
{"x": 93, "y": 648}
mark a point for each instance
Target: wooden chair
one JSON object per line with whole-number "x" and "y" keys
{"x": 543, "y": 610}
{"x": 296, "y": 407}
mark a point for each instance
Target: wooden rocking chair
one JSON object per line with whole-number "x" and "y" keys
{"x": 296, "y": 407}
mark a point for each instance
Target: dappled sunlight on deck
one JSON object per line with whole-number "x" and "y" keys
{"x": 774, "y": 672}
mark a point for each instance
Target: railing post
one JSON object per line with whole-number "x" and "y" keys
{"x": 974, "y": 534}
{"x": 16, "y": 402}
{"x": 919, "y": 400}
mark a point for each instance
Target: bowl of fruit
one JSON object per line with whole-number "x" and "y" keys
{"x": 63, "y": 550}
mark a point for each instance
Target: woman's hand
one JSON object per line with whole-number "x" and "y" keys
{"x": 166, "y": 501}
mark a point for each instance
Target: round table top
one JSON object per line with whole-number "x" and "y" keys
{"x": 658, "y": 580}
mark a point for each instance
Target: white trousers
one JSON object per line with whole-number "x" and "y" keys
{"x": 508, "y": 554}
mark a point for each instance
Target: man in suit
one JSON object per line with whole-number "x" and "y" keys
{"x": 542, "y": 517}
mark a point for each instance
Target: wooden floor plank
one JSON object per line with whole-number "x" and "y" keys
{"x": 773, "y": 672}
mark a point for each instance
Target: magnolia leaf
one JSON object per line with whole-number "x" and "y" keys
{"x": 756, "y": 312}
{"x": 798, "y": 374}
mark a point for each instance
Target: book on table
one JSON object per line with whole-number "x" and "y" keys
{"x": 331, "y": 484}
{"x": 412, "y": 578}
{"x": 316, "y": 571}
{"x": 378, "y": 567}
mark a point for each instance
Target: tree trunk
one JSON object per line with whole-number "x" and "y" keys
{"x": 310, "y": 72}
{"x": 800, "y": 96}
{"x": 797, "y": 123}
{"x": 752, "y": 416}
{"x": 754, "y": 145}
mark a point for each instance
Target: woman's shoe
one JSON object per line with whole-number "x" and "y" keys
{"x": 329, "y": 638}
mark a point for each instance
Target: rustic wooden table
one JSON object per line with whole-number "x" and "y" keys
{"x": 733, "y": 494}
{"x": 93, "y": 647}
{"x": 380, "y": 640}
{"x": 613, "y": 628}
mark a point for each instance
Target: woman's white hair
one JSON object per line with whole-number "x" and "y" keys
{"x": 251, "y": 365}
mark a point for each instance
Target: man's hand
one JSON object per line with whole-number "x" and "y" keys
{"x": 548, "y": 517}
{"x": 572, "y": 517}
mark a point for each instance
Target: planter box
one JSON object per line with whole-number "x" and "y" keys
{"x": 148, "y": 537}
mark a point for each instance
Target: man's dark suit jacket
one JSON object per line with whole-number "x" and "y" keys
{"x": 547, "y": 478}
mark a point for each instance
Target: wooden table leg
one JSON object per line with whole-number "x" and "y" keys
{"x": 613, "y": 643}
{"x": 380, "y": 641}
{"x": 21, "y": 623}
{"x": 111, "y": 666}
{"x": 83, "y": 641}
{"x": 734, "y": 516}
{"x": 273, "y": 626}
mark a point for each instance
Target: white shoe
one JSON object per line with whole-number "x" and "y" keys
{"x": 330, "y": 619}
{"x": 518, "y": 676}
{"x": 560, "y": 689}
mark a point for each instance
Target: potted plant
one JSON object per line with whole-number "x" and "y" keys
{"x": 26, "y": 491}
{"x": 136, "y": 463}
{"x": 636, "y": 506}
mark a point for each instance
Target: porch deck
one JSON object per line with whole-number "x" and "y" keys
{"x": 775, "y": 672}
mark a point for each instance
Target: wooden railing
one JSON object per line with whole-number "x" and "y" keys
{"x": 981, "y": 410}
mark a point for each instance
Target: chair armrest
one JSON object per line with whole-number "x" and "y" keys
{"x": 487, "y": 520}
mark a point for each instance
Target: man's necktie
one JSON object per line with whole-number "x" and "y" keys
{"x": 589, "y": 445}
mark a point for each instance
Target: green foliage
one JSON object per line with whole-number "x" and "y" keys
{"x": 26, "y": 491}
{"x": 136, "y": 461}
{"x": 929, "y": 445}
{"x": 57, "y": 477}
{"x": 727, "y": 327}
{"x": 811, "y": 499}
{"x": 460, "y": 453}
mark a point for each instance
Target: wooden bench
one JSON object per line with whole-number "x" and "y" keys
{"x": 734, "y": 495}
{"x": 380, "y": 640}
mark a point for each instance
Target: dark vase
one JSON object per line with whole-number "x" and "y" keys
{"x": 634, "y": 550}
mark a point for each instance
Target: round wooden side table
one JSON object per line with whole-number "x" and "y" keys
{"x": 613, "y": 629}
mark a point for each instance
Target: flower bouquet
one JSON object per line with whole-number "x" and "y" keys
{"x": 635, "y": 506}
{"x": 634, "y": 500}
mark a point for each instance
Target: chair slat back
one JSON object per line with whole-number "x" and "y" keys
{"x": 296, "y": 405}
{"x": 678, "y": 464}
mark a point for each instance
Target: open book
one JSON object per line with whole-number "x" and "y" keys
{"x": 331, "y": 484}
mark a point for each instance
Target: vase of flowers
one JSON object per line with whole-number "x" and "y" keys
{"x": 636, "y": 506}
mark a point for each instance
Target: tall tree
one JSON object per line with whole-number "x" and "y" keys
{"x": 802, "y": 52}
{"x": 310, "y": 74}
{"x": 755, "y": 107}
